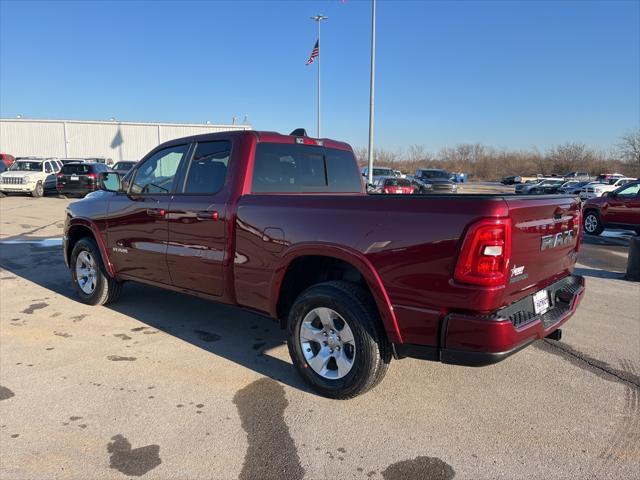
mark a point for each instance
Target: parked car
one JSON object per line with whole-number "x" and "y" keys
{"x": 548, "y": 185}
{"x": 377, "y": 173}
{"x": 617, "y": 209}
{"x": 420, "y": 187}
{"x": 581, "y": 176}
{"x": 511, "y": 180}
{"x": 32, "y": 176}
{"x": 614, "y": 183}
{"x": 593, "y": 189}
{"x": 79, "y": 178}
{"x": 282, "y": 225}
{"x": 440, "y": 180}
{"x": 7, "y": 159}
{"x": 392, "y": 185}
{"x": 123, "y": 166}
{"x": 605, "y": 177}
{"x": 572, "y": 187}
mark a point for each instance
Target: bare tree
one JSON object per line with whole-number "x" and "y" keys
{"x": 629, "y": 147}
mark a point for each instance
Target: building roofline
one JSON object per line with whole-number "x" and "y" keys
{"x": 117, "y": 122}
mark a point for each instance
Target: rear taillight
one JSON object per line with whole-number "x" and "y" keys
{"x": 386, "y": 190}
{"x": 92, "y": 176}
{"x": 59, "y": 176}
{"x": 485, "y": 253}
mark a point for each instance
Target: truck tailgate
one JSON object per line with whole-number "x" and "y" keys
{"x": 544, "y": 243}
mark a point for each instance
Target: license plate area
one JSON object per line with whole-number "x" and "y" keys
{"x": 541, "y": 302}
{"x": 75, "y": 178}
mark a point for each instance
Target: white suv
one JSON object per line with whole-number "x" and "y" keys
{"x": 33, "y": 175}
{"x": 596, "y": 189}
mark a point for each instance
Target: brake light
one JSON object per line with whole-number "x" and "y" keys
{"x": 92, "y": 176}
{"x": 485, "y": 254}
{"x": 60, "y": 175}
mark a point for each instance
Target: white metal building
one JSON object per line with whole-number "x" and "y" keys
{"x": 82, "y": 139}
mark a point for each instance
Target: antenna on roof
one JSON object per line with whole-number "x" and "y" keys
{"x": 299, "y": 132}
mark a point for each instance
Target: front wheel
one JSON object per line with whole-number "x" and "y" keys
{"x": 90, "y": 279}
{"x": 336, "y": 340}
{"x": 38, "y": 191}
{"x": 592, "y": 223}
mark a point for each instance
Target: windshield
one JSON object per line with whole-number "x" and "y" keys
{"x": 382, "y": 171}
{"x": 435, "y": 174}
{"x": 26, "y": 167}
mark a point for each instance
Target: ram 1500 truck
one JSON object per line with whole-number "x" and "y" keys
{"x": 282, "y": 225}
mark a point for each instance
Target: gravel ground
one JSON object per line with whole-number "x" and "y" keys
{"x": 166, "y": 386}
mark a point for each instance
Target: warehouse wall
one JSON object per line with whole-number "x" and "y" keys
{"x": 71, "y": 139}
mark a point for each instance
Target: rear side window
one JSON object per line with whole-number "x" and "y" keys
{"x": 208, "y": 168}
{"x": 287, "y": 168}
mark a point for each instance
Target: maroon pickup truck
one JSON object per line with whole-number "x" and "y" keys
{"x": 282, "y": 225}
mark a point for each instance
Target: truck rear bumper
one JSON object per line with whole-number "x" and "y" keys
{"x": 483, "y": 340}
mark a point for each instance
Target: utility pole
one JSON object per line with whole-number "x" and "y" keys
{"x": 372, "y": 91}
{"x": 318, "y": 18}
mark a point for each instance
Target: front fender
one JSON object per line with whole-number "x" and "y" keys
{"x": 95, "y": 230}
{"x": 355, "y": 258}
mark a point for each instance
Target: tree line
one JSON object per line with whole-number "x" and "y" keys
{"x": 482, "y": 162}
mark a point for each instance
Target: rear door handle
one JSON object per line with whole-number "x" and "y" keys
{"x": 156, "y": 212}
{"x": 207, "y": 215}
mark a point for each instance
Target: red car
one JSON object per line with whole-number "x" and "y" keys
{"x": 617, "y": 209}
{"x": 282, "y": 225}
{"x": 7, "y": 159}
{"x": 392, "y": 185}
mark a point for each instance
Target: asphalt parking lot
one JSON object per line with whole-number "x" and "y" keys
{"x": 166, "y": 386}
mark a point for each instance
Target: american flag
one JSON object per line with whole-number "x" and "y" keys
{"x": 314, "y": 53}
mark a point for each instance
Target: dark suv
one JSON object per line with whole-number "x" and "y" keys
{"x": 79, "y": 178}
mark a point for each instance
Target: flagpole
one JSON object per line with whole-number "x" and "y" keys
{"x": 318, "y": 19}
{"x": 372, "y": 92}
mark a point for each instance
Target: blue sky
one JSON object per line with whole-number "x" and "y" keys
{"x": 508, "y": 74}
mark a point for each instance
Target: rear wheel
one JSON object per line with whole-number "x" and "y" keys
{"x": 90, "y": 279}
{"x": 336, "y": 340}
{"x": 38, "y": 191}
{"x": 592, "y": 223}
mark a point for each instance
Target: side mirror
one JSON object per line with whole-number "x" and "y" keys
{"x": 608, "y": 194}
{"x": 109, "y": 181}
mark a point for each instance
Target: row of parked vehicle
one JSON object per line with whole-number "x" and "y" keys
{"x": 66, "y": 176}
{"x": 584, "y": 188}
{"x": 426, "y": 180}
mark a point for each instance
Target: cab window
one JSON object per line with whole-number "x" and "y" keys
{"x": 158, "y": 172}
{"x": 208, "y": 168}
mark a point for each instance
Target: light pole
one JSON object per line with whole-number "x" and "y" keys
{"x": 318, "y": 18}
{"x": 372, "y": 91}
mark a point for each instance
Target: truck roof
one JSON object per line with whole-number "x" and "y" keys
{"x": 262, "y": 136}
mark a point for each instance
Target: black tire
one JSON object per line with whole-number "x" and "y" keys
{"x": 107, "y": 289}
{"x": 591, "y": 223}
{"x": 38, "y": 191}
{"x": 372, "y": 350}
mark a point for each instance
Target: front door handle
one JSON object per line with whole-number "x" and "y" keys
{"x": 156, "y": 212}
{"x": 207, "y": 215}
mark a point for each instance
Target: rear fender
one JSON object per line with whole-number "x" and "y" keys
{"x": 355, "y": 258}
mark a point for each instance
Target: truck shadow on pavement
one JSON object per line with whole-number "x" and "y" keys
{"x": 238, "y": 335}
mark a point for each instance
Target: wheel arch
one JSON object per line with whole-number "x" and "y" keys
{"x": 80, "y": 228}
{"x": 287, "y": 282}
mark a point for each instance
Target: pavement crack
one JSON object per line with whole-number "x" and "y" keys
{"x": 582, "y": 360}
